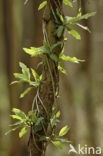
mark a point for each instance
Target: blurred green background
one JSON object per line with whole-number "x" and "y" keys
{"x": 81, "y": 91}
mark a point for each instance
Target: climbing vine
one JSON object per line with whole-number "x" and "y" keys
{"x": 43, "y": 117}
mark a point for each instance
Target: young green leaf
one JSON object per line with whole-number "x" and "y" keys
{"x": 25, "y": 92}
{"x": 54, "y": 57}
{"x": 63, "y": 140}
{"x": 57, "y": 144}
{"x": 60, "y": 30}
{"x": 74, "y": 33}
{"x": 43, "y": 138}
{"x": 16, "y": 117}
{"x": 62, "y": 69}
{"x": 19, "y": 123}
{"x": 64, "y": 131}
{"x": 35, "y": 75}
{"x": 18, "y": 112}
{"x": 18, "y": 76}
{"x": 73, "y": 20}
{"x": 13, "y": 129}
{"x": 42, "y": 5}
{"x": 33, "y": 116}
{"x": 22, "y": 132}
{"x": 39, "y": 120}
{"x": 57, "y": 114}
{"x": 67, "y": 2}
{"x": 70, "y": 59}
{"x": 25, "y": 71}
{"x": 37, "y": 52}
{"x": 57, "y": 44}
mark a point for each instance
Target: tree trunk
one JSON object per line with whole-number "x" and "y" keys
{"x": 49, "y": 85}
{"x": 91, "y": 121}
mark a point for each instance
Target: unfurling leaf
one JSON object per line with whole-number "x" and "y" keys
{"x": 64, "y": 131}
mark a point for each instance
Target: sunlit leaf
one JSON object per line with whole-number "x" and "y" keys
{"x": 18, "y": 112}
{"x": 67, "y": 2}
{"x": 25, "y": 71}
{"x": 25, "y": 92}
{"x": 58, "y": 114}
{"x": 64, "y": 131}
{"x": 62, "y": 69}
{"x": 22, "y": 132}
{"x": 35, "y": 75}
{"x": 78, "y": 18}
{"x": 42, "y": 5}
{"x": 74, "y": 33}
{"x": 70, "y": 59}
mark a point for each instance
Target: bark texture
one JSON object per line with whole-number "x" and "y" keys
{"x": 49, "y": 84}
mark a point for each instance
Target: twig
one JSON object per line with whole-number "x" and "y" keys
{"x": 41, "y": 101}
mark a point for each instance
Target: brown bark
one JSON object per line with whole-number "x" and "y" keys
{"x": 91, "y": 121}
{"x": 49, "y": 84}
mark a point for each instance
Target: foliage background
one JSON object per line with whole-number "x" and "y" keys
{"x": 81, "y": 91}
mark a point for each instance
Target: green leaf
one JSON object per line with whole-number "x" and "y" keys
{"x": 60, "y": 30}
{"x": 70, "y": 59}
{"x": 54, "y": 57}
{"x": 35, "y": 84}
{"x": 74, "y": 33}
{"x": 58, "y": 114}
{"x": 40, "y": 77}
{"x": 63, "y": 140}
{"x": 54, "y": 122}
{"x": 12, "y": 129}
{"x": 42, "y": 5}
{"x": 22, "y": 132}
{"x": 57, "y": 144}
{"x": 18, "y": 112}
{"x": 57, "y": 44}
{"x": 43, "y": 138}
{"x": 39, "y": 120}
{"x": 19, "y": 123}
{"x": 33, "y": 116}
{"x": 18, "y": 76}
{"x": 16, "y": 117}
{"x": 67, "y": 2}
{"x": 25, "y": 71}
{"x": 35, "y": 75}
{"x": 64, "y": 131}
{"x": 62, "y": 69}
{"x": 73, "y": 20}
{"x": 37, "y": 52}
{"x": 25, "y": 92}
